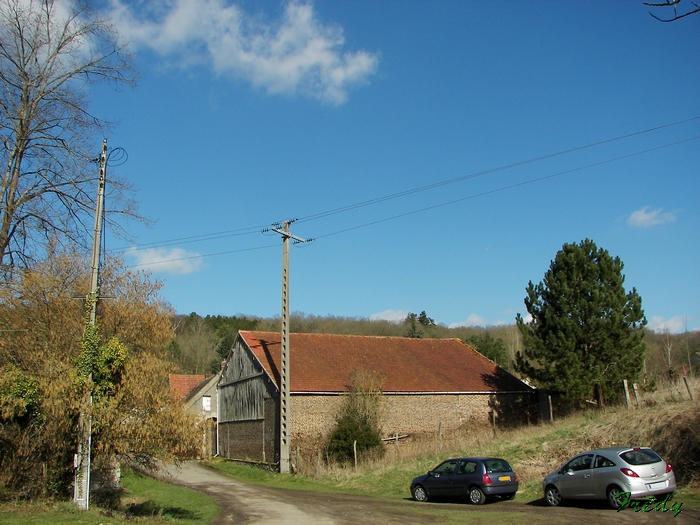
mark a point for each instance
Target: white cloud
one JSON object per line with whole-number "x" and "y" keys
{"x": 646, "y": 217}
{"x": 295, "y": 54}
{"x": 395, "y": 316}
{"x": 163, "y": 260}
{"x": 472, "y": 320}
{"x": 674, "y": 325}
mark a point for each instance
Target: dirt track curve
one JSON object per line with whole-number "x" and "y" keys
{"x": 244, "y": 503}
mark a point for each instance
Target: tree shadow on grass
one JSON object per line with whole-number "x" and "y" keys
{"x": 150, "y": 509}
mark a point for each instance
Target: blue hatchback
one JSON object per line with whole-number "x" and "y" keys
{"x": 475, "y": 478}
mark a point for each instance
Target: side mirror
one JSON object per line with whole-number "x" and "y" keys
{"x": 570, "y": 472}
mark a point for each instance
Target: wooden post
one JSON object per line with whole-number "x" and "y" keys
{"x": 690, "y": 390}
{"x": 599, "y": 395}
{"x": 493, "y": 421}
{"x": 627, "y": 392}
{"x": 635, "y": 389}
{"x": 354, "y": 452}
{"x": 549, "y": 405}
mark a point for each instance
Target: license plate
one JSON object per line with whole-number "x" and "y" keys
{"x": 657, "y": 486}
{"x": 503, "y": 478}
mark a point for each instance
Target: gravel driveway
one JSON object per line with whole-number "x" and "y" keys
{"x": 244, "y": 503}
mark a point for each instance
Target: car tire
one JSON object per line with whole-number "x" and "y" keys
{"x": 476, "y": 496}
{"x": 614, "y": 496}
{"x": 508, "y": 496}
{"x": 552, "y": 496}
{"x": 419, "y": 494}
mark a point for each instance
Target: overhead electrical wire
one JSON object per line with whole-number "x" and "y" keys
{"x": 504, "y": 188}
{"x": 485, "y": 172}
{"x": 308, "y": 218}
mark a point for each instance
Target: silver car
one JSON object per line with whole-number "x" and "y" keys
{"x": 616, "y": 474}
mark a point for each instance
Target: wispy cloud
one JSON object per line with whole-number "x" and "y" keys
{"x": 646, "y": 217}
{"x": 295, "y": 54}
{"x": 472, "y": 320}
{"x": 674, "y": 325}
{"x": 395, "y": 316}
{"x": 163, "y": 260}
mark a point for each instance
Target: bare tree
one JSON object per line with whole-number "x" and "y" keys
{"x": 676, "y": 13}
{"x": 50, "y": 53}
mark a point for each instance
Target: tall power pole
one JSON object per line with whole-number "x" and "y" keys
{"x": 81, "y": 487}
{"x": 284, "y": 369}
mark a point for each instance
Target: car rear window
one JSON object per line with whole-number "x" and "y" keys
{"x": 640, "y": 456}
{"x": 497, "y": 465}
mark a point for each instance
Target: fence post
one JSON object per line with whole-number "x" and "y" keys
{"x": 354, "y": 452}
{"x": 636, "y": 393}
{"x": 599, "y": 395}
{"x": 551, "y": 411}
{"x": 627, "y": 392}
{"x": 690, "y": 390}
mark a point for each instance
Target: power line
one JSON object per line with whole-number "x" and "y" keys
{"x": 256, "y": 229}
{"x": 203, "y": 256}
{"x": 454, "y": 201}
{"x": 487, "y": 172}
{"x": 504, "y": 188}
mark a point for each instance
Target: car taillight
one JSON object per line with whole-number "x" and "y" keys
{"x": 629, "y": 472}
{"x": 487, "y": 479}
{"x": 669, "y": 468}
{"x": 515, "y": 478}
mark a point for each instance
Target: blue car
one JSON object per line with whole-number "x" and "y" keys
{"x": 474, "y": 478}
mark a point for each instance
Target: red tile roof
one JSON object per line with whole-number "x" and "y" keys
{"x": 182, "y": 384}
{"x": 325, "y": 363}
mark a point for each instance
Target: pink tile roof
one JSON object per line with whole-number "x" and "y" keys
{"x": 182, "y": 384}
{"x": 325, "y": 363}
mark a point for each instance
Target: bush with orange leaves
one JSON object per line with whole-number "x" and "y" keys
{"x": 41, "y": 328}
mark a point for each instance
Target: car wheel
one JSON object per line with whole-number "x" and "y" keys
{"x": 419, "y": 494}
{"x": 476, "y": 496}
{"x": 614, "y": 497}
{"x": 552, "y": 496}
{"x": 508, "y": 496}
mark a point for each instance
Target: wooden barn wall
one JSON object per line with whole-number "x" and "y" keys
{"x": 248, "y": 413}
{"x": 243, "y": 388}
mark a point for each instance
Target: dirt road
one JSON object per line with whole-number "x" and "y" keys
{"x": 243, "y": 503}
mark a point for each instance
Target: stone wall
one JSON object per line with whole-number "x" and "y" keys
{"x": 313, "y": 417}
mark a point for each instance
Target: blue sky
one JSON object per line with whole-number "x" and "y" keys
{"x": 248, "y": 113}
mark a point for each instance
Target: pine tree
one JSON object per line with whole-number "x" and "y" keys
{"x": 585, "y": 329}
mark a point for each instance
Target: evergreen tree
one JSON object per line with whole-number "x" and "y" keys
{"x": 492, "y": 347}
{"x": 585, "y": 328}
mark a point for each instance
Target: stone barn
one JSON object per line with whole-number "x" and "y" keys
{"x": 427, "y": 383}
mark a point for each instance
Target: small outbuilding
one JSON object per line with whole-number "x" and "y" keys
{"x": 426, "y": 383}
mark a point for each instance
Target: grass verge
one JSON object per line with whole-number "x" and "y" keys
{"x": 144, "y": 501}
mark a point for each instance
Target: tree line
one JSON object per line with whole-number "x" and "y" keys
{"x": 584, "y": 332}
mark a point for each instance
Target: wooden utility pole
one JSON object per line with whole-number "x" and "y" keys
{"x": 284, "y": 368}
{"x": 81, "y": 487}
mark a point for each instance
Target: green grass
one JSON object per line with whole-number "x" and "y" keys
{"x": 145, "y": 501}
